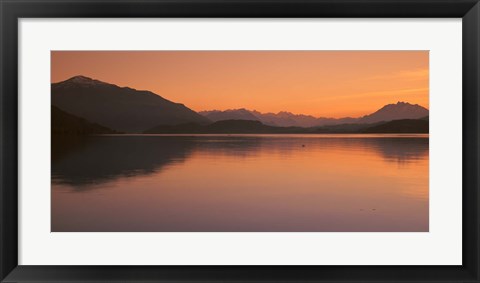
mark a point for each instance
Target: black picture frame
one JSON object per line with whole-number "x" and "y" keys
{"x": 11, "y": 11}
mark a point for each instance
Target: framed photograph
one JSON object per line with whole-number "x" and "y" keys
{"x": 239, "y": 141}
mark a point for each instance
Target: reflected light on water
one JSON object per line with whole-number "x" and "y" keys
{"x": 243, "y": 183}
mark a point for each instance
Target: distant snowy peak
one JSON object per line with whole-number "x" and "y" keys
{"x": 80, "y": 81}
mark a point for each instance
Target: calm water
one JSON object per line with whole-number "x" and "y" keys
{"x": 322, "y": 183}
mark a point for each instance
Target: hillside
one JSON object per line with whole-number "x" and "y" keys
{"x": 409, "y": 126}
{"x": 64, "y": 123}
{"x": 224, "y": 127}
{"x": 119, "y": 108}
{"x": 257, "y": 127}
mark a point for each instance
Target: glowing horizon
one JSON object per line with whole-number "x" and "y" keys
{"x": 318, "y": 83}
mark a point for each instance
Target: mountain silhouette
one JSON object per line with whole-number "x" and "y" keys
{"x": 224, "y": 127}
{"x": 257, "y": 127}
{"x": 64, "y": 123}
{"x": 400, "y": 110}
{"x": 281, "y": 119}
{"x": 410, "y": 126}
{"x": 231, "y": 114}
{"x": 119, "y": 108}
{"x": 99, "y": 107}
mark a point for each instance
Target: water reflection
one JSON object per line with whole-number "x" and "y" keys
{"x": 82, "y": 161}
{"x": 240, "y": 183}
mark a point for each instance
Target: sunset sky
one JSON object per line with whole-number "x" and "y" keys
{"x": 318, "y": 83}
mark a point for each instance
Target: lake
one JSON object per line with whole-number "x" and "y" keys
{"x": 240, "y": 183}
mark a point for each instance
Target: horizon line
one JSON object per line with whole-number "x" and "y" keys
{"x": 240, "y": 108}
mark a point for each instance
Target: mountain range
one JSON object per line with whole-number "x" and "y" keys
{"x": 94, "y": 106}
{"x": 400, "y": 110}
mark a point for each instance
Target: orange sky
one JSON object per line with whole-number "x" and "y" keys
{"x": 318, "y": 83}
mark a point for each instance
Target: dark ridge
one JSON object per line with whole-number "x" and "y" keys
{"x": 64, "y": 123}
{"x": 410, "y": 126}
{"x": 225, "y": 127}
{"x": 257, "y": 127}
